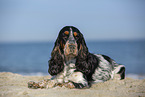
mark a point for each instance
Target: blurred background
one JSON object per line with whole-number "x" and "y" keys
{"x": 29, "y": 28}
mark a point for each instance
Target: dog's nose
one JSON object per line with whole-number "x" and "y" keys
{"x": 71, "y": 46}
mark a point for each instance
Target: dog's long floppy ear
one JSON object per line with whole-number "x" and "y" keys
{"x": 83, "y": 49}
{"x": 56, "y": 64}
{"x": 85, "y": 61}
{"x": 81, "y": 59}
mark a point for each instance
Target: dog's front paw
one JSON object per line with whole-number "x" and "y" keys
{"x": 69, "y": 85}
{"x": 33, "y": 85}
{"x": 50, "y": 84}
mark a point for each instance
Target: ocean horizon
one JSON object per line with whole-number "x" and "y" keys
{"x": 31, "y": 58}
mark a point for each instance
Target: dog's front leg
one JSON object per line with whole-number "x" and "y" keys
{"x": 48, "y": 83}
{"x": 77, "y": 80}
{"x": 42, "y": 84}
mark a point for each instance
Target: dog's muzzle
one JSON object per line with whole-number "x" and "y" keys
{"x": 71, "y": 48}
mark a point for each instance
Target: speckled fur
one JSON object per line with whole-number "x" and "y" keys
{"x": 73, "y": 66}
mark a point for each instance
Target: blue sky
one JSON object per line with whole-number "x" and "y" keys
{"x": 41, "y": 20}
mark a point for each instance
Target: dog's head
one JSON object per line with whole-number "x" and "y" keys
{"x": 70, "y": 43}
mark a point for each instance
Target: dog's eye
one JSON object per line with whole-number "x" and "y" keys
{"x": 77, "y": 37}
{"x": 65, "y": 37}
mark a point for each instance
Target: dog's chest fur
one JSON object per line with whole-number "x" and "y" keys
{"x": 69, "y": 67}
{"x": 66, "y": 74}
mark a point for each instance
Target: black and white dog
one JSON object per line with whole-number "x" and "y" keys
{"x": 73, "y": 66}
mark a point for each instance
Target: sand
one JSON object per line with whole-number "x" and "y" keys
{"x": 15, "y": 85}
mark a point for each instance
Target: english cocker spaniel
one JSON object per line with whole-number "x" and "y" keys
{"x": 71, "y": 64}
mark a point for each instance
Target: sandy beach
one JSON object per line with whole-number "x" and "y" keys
{"x": 15, "y": 85}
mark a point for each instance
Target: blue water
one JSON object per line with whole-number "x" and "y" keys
{"x": 32, "y": 58}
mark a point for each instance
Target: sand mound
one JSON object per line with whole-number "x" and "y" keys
{"x": 15, "y": 85}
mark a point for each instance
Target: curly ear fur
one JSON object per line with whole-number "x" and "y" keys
{"x": 56, "y": 64}
{"x": 86, "y": 62}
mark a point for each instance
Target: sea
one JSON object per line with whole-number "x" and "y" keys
{"x": 31, "y": 58}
